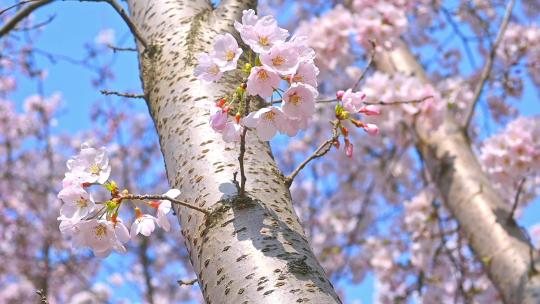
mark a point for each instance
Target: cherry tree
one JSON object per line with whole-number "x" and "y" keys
{"x": 383, "y": 166}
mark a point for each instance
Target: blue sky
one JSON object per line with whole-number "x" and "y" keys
{"x": 75, "y": 25}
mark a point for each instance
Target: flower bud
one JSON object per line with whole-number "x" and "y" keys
{"x": 370, "y": 110}
{"x": 371, "y": 129}
{"x": 339, "y": 94}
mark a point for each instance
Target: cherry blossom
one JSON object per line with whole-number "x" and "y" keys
{"x": 102, "y": 236}
{"x": 266, "y": 121}
{"x": 163, "y": 208}
{"x": 218, "y": 118}
{"x": 207, "y": 68}
{"x": 77, "y": 202}
{"x": 262, "y": 81}
{"x": 143, "y": 224}
{"x": 91, "y": 165}
{"x": 283, "y": 58}
{"x": 226, "y": 52}
{"x": 260, "y": 33}
{"x": 306, "y": 73}
{"x": 352, "y": 101}
{"x": 299, "y": 101}
{"x": 232, "y": 131}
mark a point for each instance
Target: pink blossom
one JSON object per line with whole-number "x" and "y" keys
{"x": 262, "y": 81}
{"x": 299, "y": 100}
{"x": 101, "y": 236}
{"x": 226, "y": 52}
{"x": 283, "y": 58}
{"x": 266, "y": 121}
{"x": 306, "y": 73}
{"x": 91, "y": 165}
{"x": 262, "y": 35}
{"x": 232, "y": 132}
{"x": 144, "y": 224}
{"x": 348, "y": 148}
{"x": 77, "y": 202}
{"x": 353, "y": 101}
{"x": 218, "y": 118}
{"x": 105, "y": 37}
{"x": 371, "y": 129}
{"x": 370, "y": 110}
{"x": 207, "y": 68}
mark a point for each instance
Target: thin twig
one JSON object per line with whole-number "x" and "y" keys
{"x": 383, "y": 103}
{"x": 121, "y": 49}
{"x": 461, "y": 36}
{"x": 20, "y": 15}
{"x": 163, "y": 197}
{"x": 120, "y": 10}
{"x": 489, "y": 64}
{"x": 321, "y": 150}
{"x": 368, "y": 65}
{"x": 42, "y": 296}
{"x": 397, "y": 102}
{"x": 128, "y": 95}
{"x": 20, "y": 3}
{"x": 187, "y": 282}
{"x": 516, "y": 200}
{"x": 36, "y": 26}
{"x": 242, "y": 153}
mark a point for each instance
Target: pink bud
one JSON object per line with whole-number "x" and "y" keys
{"x": 339, "y": 94}
{"x": 218, "y": 120}
{"x": 370, "y": 110}
{"x": 371, "y": 129}
{"x": 348, "y": 149}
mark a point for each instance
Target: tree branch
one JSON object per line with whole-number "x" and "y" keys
{"x": 42, "y": 296}
{"x": 163, "y": 197}
{"x": 128, "y": 95}
{"x": 489, "y": 64}
{"x": 242, "y": 190}
{"x": 321, "y": 150}
{"x": 120, "y": 49}
{"x": 187, "y": 282}
{"x": 516, "y": 200}
{"x": 20, "y": 15}
{"x": 368, "y": 65}
{"x": 120, "y": 10}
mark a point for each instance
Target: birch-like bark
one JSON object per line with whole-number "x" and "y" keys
{"x": 249, "y": 250}
{"x": 482, "y": 214}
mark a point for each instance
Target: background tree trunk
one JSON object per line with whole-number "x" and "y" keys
{"x": 483, "y": 216}
{"x": 249, "y": 250}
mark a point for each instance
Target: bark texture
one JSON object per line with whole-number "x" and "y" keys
{"x": 500, "y": 244}
{"x": 251, "y": 249}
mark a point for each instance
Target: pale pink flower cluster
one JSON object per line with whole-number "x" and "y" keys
{"x": 223, "y": 58}
{"x": 329, "y": 36}
{"x": 99, "y": 227}
{"x": 105, "y": 37}
{"x": 400, "y": 87}
{"x": 381, "y": 21}
{"x": 514, "y": 154}
{"x": 276, "y": 59}
{"x": 522, "y": 41}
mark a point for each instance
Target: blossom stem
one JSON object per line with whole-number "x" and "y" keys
{"x": 321, "y": 150}
{"x": 242, "y": 190}
{"x": 368, "y": 65}
{"x": 163, "y": 197}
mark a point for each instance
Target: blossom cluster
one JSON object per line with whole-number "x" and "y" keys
{"x": 380, "y": 21}
{"x": 274, "y": 66}
{"x": 514, "y": 155}
{"x": 97, "y": 225}
{"x": 521, "y": 41}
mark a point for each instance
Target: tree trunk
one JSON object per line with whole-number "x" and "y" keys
{"x": 248, "y": 250}
{"x": 483, "y": 216}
